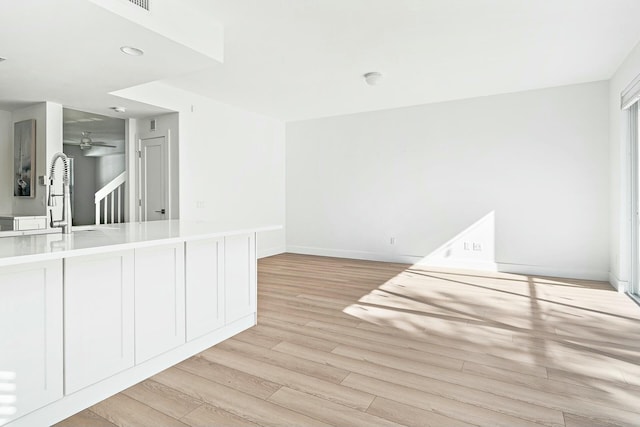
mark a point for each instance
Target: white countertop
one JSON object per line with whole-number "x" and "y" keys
{"x": 112, "y": 237}
{"x": 12, "y": 216}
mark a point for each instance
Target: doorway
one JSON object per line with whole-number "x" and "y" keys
{"x": 96, "y": 146}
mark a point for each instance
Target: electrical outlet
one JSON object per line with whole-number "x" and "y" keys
{"x": 477, "y": 246}
{"x": 200, "y": 204}
{"x": 466, "y": 246}
{"x": 392, "y": 241}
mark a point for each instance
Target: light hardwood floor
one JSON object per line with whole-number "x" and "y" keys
{"x": 358, "y": 343}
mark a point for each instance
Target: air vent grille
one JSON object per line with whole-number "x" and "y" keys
{"x": 141, "y": 3}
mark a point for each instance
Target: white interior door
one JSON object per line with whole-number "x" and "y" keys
{"x": 154, "y": 179}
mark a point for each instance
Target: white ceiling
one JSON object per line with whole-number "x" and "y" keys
{"x": 68, "y": 52}
{"x": 103, "y": 129}
{"x": 298, "y": 59}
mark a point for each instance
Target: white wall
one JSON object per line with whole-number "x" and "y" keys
{"x": 525, "y": 175}
{"x": 108, "y": 167}
{"x": 53, "y": 140}
{"x": 35, "y": 205}
{"x": 620, "y": 203}
{"x": 131, "y": 161}
{"x": 48, "y": 118}
{"x": 231, "y": 162}
{"x": 6, "y": 162}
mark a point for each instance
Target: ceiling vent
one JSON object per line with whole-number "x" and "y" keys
{"x": 144, "y": 4}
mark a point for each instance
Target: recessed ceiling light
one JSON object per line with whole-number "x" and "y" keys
{"x": 118, "y": 109}
{"x": 133, "y": 51}
{"x": 372, "y": 78}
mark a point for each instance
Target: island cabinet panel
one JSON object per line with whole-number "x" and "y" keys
{"x": 159, "y": 300}
{"x": 240, "y": 276}
{"x": 30, "y": 337}
{"x": 109, "y": 307}
{"x": 204, "y": 286}
{"x": 98, "y": 316}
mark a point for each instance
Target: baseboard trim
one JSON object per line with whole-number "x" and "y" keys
{"x": 525, "y": 269}
{"x": 538, "y": 270}
{"x": 619, "y": 285}
{"x": 341, "y": 253}
{"x": 266, "y": 252}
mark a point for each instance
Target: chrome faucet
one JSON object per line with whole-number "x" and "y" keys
{"x": 65, "y": 222}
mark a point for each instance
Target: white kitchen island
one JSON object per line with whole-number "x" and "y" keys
{"x": 86, "y": 315}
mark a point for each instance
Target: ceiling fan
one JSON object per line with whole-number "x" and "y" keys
{"x": 86, "y": 142}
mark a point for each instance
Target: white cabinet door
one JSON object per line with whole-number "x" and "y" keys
{"x": 98, "y": 317}
{"x": 240, "y": 276}
{"x": 205, "y": 286}
{"x": 159, "y": 307}
{"x": 30, "y": 337}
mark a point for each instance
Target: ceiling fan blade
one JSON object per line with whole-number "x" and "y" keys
{"x": 70, "y": 143}
{"x": 102, "y": 144}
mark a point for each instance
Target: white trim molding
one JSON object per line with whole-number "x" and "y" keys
{"x": 470, "y": 264}
{"x": 631, "y": 94}
{"x": 267, "y": 252}
{"x": 539, "y": 270}
{"x": 341, "y": 253}
{"x": 621, "y": 286}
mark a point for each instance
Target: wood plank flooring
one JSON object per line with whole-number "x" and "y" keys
{"x": 359, "y": 343}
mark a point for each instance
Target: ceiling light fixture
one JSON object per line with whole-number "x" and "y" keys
{"x": 118, "y": 109}
{"x": 133, "y": 51}
{"x": 372, "y": 78}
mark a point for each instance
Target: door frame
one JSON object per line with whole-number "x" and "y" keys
{"x": 167, "y": 159}
{"x": 633, "y": 123}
